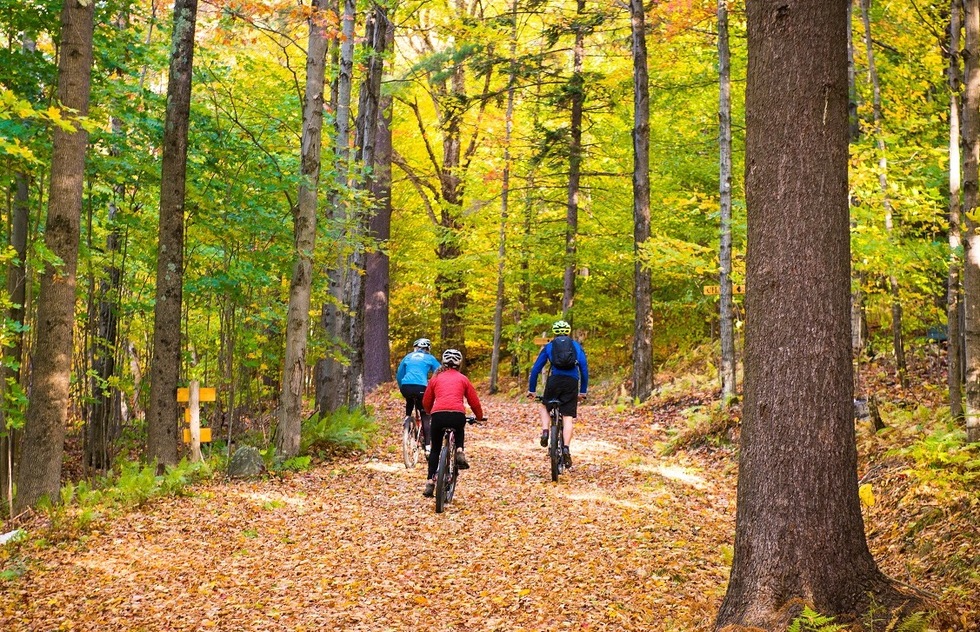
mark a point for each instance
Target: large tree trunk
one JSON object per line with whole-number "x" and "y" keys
{"x": 304, "y": 235}
{"x": 39, "y": 473}
{"x": 642, "y": 284}
{"x": 577, "y": 90}
{"x": 971, "y": 243}
{"x": 799, "y": 531}
{"x": 897, "y": 341}
{"x": 954, "y": 357}
{"x": 726, "y": 320}
{"x": 162, "y": 422}
{"x": 366, "y": 126}
{"x": 377, "y": 352}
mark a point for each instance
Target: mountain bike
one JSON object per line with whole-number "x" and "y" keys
{"x": 447, "y": 474}
{"x": 556, "y": 438}
{"x": 413, "y": 439}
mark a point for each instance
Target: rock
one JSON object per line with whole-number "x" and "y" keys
{"x": 246, "y": 462}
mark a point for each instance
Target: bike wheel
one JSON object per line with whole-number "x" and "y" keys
{"x": 443, "y": 474}
{"x": 554, "y": 451}
{"x": 410, "y": 443}
{"x": 453, "y": 477}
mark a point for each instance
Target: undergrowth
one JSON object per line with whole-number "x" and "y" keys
{"x": 341, "y": 430}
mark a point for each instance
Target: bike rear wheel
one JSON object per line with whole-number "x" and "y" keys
{"x": 445, "y": 479}
{"x": 410, "y": 443}
{"x": 554, "y": 449}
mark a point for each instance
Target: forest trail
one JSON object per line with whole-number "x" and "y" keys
{"x": 628, "y": 540}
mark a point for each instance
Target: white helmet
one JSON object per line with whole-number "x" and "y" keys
{"x": 452, "y": 358}
{"x": 422, "y": 343}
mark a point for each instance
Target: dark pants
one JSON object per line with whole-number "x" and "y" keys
{"x": 565, "y": 389}
{"x": 441, "y": 421}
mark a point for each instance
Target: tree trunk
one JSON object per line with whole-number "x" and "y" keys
{"x": 642, "y": 285}
{"x": 10, "y": 372}
{"x": 498, "y": 311}
{"x": 304, "y": 236}
{"x": 799, "y": 530}
{"x": 162, "y": 423}
{"x": 577, "y": 90}
{"x": 102, "y": 425}
{"x": 377, "y": 352}
{"x": 725, "y": 307}
{"x": 897, "y": 341}
{"x": 971, "y": 243}
{"x": 333, "y": 380}
{"x": 954, "y": 295}
{"x": 39, "y": 473}
{"x": 366, "y": 126}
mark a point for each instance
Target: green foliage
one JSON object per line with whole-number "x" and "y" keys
{"x": 85, "y": 504}
{"x": 343, "y": 429}
{"x": 811, "y": 621}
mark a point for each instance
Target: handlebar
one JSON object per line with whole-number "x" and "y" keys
{"x": 475, "y": 421}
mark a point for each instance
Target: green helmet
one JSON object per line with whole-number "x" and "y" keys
{"x": 561, "y": 328}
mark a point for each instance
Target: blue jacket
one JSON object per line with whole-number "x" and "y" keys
{"x": 581, "y": 369}
{"x": 415, "y": 368}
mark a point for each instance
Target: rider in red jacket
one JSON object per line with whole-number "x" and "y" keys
{"x": 444, "y": 400}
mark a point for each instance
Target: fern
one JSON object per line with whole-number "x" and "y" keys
{"x": 812, "y": 621}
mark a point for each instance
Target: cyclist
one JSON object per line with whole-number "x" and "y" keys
{"x": 563, "y": 384}
{"x": 412, "y": 377}
{"x": 444, "y": 400}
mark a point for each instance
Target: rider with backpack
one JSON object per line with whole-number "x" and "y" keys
{"x": 568, "y": 364}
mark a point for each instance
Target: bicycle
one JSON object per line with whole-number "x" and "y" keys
{"x": 413, "y": 439}
{"x": 447, "y": 473}
{"x": 556, "y": 438}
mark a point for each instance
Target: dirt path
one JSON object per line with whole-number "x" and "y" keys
{"x": 628, "y": 540}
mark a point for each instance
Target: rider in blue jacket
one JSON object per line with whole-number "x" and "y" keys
{"x": 413, "y": 376}
{"x": 562, "y": 384}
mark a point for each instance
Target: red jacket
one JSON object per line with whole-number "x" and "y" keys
{"x": 446, "y": 391}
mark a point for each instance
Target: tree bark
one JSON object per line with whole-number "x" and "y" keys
{"x": 725, "y": 307}
{"x": 304, "y": 240}
{"x": 643, "y": 377}
{"x": 954, "y": 356}
{"x": 799, "y": 530}
{"x": 971, "y": 242}
{"x": 333, "y": 379}
{"x": 162, "y": 422}
{"x": 39, "y": 473}
{"x": 377, "y": 352}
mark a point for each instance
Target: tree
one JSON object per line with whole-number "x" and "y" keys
{"x": 39, "y": 473}
{"x": 377, "y": 350}
{"x": 304, "y": 231}
{"x": 576, "y": 93}
{"x": 726, "y": 320}
{"x": 799, "y": 531}
{"x": 954, "y": 293}
{"x": 971, "y": 241}
{"x": 642, "y": 287}
{"x": 498, "y": 311}
{"x": 165, "y": 366}
{"x": 878, "y": 131}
